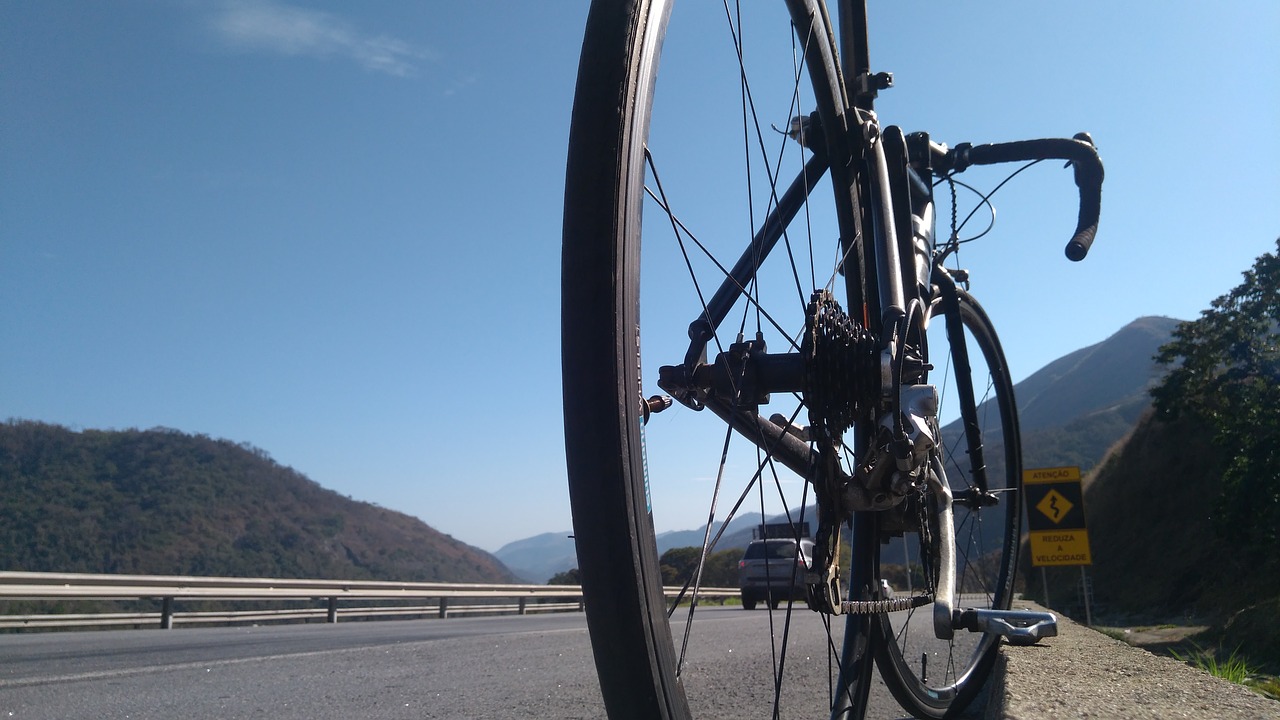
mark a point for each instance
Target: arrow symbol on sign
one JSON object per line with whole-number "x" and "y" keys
{"x": 1054, "y": 506}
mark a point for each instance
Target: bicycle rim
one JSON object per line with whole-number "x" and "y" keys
{"x": 704, "y": 172}
{"x": 935, "y": 678}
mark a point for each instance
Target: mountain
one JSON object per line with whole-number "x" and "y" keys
{"x": 1111, "y": 376}
{"x": 537, "y": 558}
{"x": 164, "y": 502}
{"x": 737, "y": 535}
{"x": 1074, "y": 409}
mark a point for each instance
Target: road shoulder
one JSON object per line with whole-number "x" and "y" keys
{"x": 1085, "y": 674}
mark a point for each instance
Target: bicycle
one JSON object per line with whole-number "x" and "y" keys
{"x": 926, "y": 510}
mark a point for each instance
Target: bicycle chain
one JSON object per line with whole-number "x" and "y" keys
{"x": 880, "y": 607}
{"x": 841, "y": 365}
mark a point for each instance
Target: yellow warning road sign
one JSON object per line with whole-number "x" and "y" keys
{"x": 1055, "y": 517}
{"x": 1061, "y": 547}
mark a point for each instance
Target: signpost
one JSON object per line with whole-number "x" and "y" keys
{"x": 1055, "y": 521}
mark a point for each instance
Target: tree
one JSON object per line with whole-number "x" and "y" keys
{"x": 568, "y": 577}
{"x": 720, "y": 570}
{"x": 679, "y": 564}
{"x": 1225, "y": 370}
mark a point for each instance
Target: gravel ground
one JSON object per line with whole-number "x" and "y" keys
{"x": 1085, "y": 674}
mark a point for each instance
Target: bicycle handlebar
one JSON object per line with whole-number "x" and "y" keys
{"x": 1079, "y": 153}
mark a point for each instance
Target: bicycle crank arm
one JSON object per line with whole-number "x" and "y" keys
{"x": 1020, "y": 627}
{"x": 944, "y": 596}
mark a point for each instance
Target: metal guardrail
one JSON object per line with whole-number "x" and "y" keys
{"x": 168, "y": 588}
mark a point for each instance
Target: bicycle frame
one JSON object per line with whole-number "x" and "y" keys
{"x": 881, "y": 275}
{"x": 741, "y": 379}
{"x": 877, "y": 281}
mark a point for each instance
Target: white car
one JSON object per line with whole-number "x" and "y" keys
{"x": 774, "y": 570}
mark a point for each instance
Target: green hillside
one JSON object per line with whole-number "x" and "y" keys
{"x": 1150, "y": 526}
{"x": 1184, "y": 514}
{"x": 163, "y": 502}
{"x": 1157, "y": 555}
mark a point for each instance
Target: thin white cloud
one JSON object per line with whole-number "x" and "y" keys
{"x": 272, "y": 27}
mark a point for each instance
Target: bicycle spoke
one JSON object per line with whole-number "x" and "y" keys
{"x": 749, "y": 113}
{"x": 680, "y": 231}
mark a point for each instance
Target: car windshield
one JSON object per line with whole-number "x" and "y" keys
{"x": 772, "y": 549}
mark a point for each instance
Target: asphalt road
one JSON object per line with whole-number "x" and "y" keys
{"x": 498, "y": 667}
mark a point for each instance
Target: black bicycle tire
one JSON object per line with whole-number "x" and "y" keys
{"x": 915, "y": 695}
{"x": 622, "y": 605}
{"x": 622, "y": 588}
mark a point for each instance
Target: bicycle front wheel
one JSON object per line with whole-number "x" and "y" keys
{"x": 724, "y": 179}
{"x": 980, "y": 455}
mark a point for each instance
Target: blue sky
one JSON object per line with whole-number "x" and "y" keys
{"x": 332, "y": 229}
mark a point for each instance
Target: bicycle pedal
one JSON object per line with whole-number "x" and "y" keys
{"x": 1019, "y": 627}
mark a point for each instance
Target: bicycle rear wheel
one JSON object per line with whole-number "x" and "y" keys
{"x": 707, "y": 170}
{"x": 981, "y": 457}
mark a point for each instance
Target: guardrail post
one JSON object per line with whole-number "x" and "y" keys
{"x": 444, "y": 607}
{"x": 333, "y": 610}
{"x": 166, "y": 614}
{"x": 522, "y": 603}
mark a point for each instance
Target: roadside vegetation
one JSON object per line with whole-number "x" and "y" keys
{"x": 1206, "y": 649}
{"x": 1184, "y": 514}
{"x": 1225, "y": 372}
{"x": 1233, "y": 667}
{"x": 678, "y": 566}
